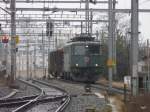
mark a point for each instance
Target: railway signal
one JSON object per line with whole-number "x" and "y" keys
{"x": 0, "y": 26}
{"x": 5, "y": 39}
{"x": 49, "y": 28}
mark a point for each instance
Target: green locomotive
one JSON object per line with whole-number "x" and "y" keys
{"x": 80, "y": 59}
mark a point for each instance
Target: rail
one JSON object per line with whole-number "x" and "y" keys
{"x": 67, "y": 100}
{"x": 30, "y": 102}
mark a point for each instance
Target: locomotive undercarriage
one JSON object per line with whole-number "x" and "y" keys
{"x": 79, "y": 74}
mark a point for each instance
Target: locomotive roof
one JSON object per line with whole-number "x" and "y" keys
{"x": 82, "y": 42}
{"x": 75, "y": 43}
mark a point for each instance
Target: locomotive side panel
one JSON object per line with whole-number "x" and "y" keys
{"x": 67, "y": 58}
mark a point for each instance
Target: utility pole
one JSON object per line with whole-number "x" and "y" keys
{"x": 30, "y": 64}
{"x": 91, "y": 23}
{"x": 148, "y": 65}
{"x": 110, "y": 39}
{"x": 35, "y": 60}
{"x": 81, "y": 28}
{"x": 134, "y": 41}
{"x": 56, "y": 42}
{"x": 87, "y": 16}
{"x": 114, "y": 39}
{"x": 27, "y": 59}
{"x": 13, "y": 41}
{"x": 19, "y": 64}
{"x": 43, "y": 53}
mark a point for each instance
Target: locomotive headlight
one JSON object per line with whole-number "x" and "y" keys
{"x": 96, "y": 65}
{"x": 77, "y": 65}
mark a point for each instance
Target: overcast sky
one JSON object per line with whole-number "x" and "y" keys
{"x": 144, "y": 18}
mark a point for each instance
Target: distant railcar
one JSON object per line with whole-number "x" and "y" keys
{"x": 80, "y": 60}
{"x": 55, "y": 63}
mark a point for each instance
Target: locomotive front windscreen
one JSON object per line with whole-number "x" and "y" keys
{"x": 79, "y": 50}
{"x": 86, "y": 49}
{"x": 93, "y": 49}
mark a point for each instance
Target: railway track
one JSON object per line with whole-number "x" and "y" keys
{"x": 77, "y": 91}
{"x": 19, "y": 104}
{"x": 106, "y": 88}
{"x": 57, "y": 93}
{"x": 30, "y": 101}
{"x": 47, "y": 94}
{"x": 80, "y": 99}
{"x": 99, "y": 87}
{"x": 54, "y": 99}
{"x": 16, "y": 101}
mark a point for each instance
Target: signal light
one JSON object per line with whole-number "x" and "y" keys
{"x": 17, "y": 49}
{"x": 49, "y": 28}
{"x": 5, "y": 39}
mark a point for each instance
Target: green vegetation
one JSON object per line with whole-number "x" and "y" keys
{"x": 122, "y": 47}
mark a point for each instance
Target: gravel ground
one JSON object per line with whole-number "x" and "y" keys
{"x": 140, "y": 103}
{"x": 6, "y": 109}
{"x": 48, "y": 90}
{"x": 80, "y": 101}
{"x": 25, "y": 90}
{"x": 49, "y": 106}
{"x": 4, "y": 91}
{"x": 45, "y": 107}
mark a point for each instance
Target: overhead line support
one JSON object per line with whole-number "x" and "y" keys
{"x": 56, "y": 1}
{"x": 81, "y": 10}
{"x": 13, "y": 41}
{"x": 135, "y": 46}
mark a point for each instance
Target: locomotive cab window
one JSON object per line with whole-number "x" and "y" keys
{"x": 79, "y": 50}
{"x": 93, "y": 49}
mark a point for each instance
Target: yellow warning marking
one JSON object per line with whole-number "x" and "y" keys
{"x": 17, "y": 39}
{"x": 111, "y": 63}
